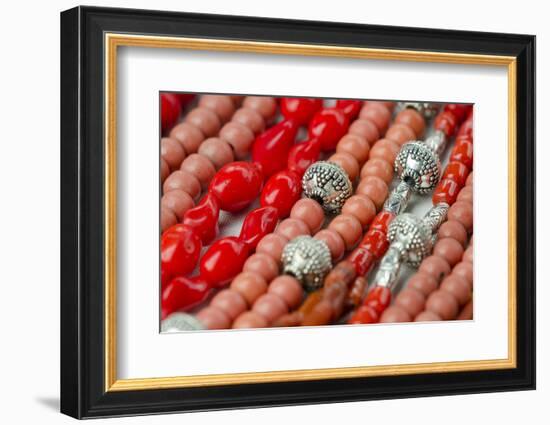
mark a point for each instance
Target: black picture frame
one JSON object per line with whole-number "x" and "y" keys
{"x": 83, "y": 392}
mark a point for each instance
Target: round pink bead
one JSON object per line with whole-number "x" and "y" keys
{"x": 205, "y": 120}
{"x": 272, "y": 245}
{"x": 188, "y": 135}
{"x": 271, "y": 306}
{"x": 428, "y": 316}
{"x": 361, "y": 207}
{"x": 167, "y": 218}
{"x": 200, "y": 167}
{"x": 182, "y": 180}
{"x": 423, "y": 282}
{"x": 435, "y": 266}
{"x": 310, "y": 212}
{"x": 288, "y": 289}
{"x": 164, "y": 170}
{"x": 378, "y": 167}
{"x": 449, "y": 249}
{"x": 348, "y": 163}
{"x": 213, "y": 318}
{"x": 239, "y": 137}
{"x": 468, "y": 255}
{"x": 217, "y": 150}
{"x": 400, "y": 133}
{"x": 250, "y": 320}
{"x": 453, "y": 229}
{"x": 221, "y": 105}
{"x": 395, "y": 314}
{"x": 291, "y": 228}
{"x": 178, "y": 201}
{"x": 262, "y": 264}
{"x": 334, "y": 242}
{"x": 375, "y": 188}
{"x": 249, "y": 118}
{"x": 249, "y": 285}
{"x": 378, "y": 114}
{"x": 464, "y": 213}
{"x": 349, "y": 228}
{"x": 470, "y": 179}
{"x": 466, "y": 194}
{"x": 465, "y": 270}
{"x": 172, "y": 152}
{"x": 365, "y": 129}
{"x": 458, "y": 287}
{"x": 230, "y": 302}
{"x": 410, "y": 300}
{"x": 237, "y": 99}
{"x": 443, "y": 304}
{"x": 385, "y": 149}
{"x": 355, "y": 145}
{"x": 413, "y": 119}
{"x": 264, "y": 105}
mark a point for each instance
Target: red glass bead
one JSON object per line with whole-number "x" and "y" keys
{"x": 378, "y": 298}
{"x": 180, "y": 247}
{"x": 363, "y": 315}
{"x": 304, "y": 154}
{"x": 463, "y": 151}
{"x": 446, "y": 191}
{"x": 460, "y": 111}
{"x": 236, "y": 185}
{"x": 456, "y": 171}
{"x": 376, "y": 242}
{"x": 382, "y": 221}
{"x": 223, "y": 260}
{"x": 257, "y": 224}
{"x": 362, "y": 259}
{"x": 300, "y": 109}
{"x": 282, "y": 191}
{"x": 466, "y": 129}
{"x": 170, "y": 110}
{"x": 446, "y": 122}
{"x": 329, "y": 125}
{"x": 183, "y": 293}
{"x": 350, "y": 107}
{"x": 204, "y": 218}
{"x": 271, "y": 148}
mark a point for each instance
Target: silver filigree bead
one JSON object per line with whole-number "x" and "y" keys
{"x": 398, "y": 199}
{"x": 308, "y": 260}
{"x": 413, "y": 235}
{"x": 328, "y": 184}
{"x": 180, "y": 322}
{"x": 419, "y": 166}
{"x": 427, "y": 109}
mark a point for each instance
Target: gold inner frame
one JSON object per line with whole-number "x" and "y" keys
{"x": 113, "y": 41}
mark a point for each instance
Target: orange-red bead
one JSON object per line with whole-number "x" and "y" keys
{"x": 446, "y": 191}
{"x": 379, "y": 299}
{"x": 463, "y": 151}
{"x": 376, "y": 242}
{"x": 457, "y": 172}
{"x": 382, "y": 221}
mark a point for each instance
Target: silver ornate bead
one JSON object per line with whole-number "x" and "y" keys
{"x": 417, "y": 165}
{"x": 180, "y": 322}
{"x": 427, "y": 109}
{"x": 328, "y": 184}
{"x": 308, "y": 260}
{"x": 413, "y": 235}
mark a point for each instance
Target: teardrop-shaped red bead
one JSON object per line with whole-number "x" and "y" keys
{"x": 257, "y": 224}
{"x": 302, "y": 155}
{"x": 271, "y": 148}
{"x": 223, "y": 260}
{"x": 282, "y": 191}
{"x": 183, "y": 293}
{"x": 329, "y": 125}
{"x": 204, "y": 218}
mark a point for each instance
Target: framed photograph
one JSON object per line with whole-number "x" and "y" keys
{"x": 261, "y": 212}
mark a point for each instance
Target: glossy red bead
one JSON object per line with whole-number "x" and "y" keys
{"x": 170, "y": 110}
{"x": 376, "y": 242}
{"x": 282, "y": 191}
{"x": 223, "y": 260}
{"x": 257, "y": 224}
{"x": 302, "y": 155}
{"x": 236, "y": 185}
{"x": 362, "y": 259}
{"x": 459, "y": 110}
{"x": 463, "y": 151}
{"x": 180, "y": 247}
{"x": 363, "y": 315}
{"x": 446, "y": 122}
{"x": 329, "y": 125}
{"x": 446, "y": 191}
{"x": 183, "y": 293}
{"x": 350, "y": 107}
{"x": 271, "y": 148}
{"x": 382, "y": 221}
{"x": 300, "y": 109}
{"x": 204, "y": 218}
{"x": 378, "y": 298}
{"x": 466, "y": 129}
{"x": 457, "y": 172}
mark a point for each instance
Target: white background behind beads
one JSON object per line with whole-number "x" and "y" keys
{"x": 29, "y": 171}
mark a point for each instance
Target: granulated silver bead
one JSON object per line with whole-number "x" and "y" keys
{"x": 419, "y": 166}
{"x": 413, "y": 235}
{"x": 308, "y": 260}
{"x": 180, "y": 322}
{"x": 328, "y": 184}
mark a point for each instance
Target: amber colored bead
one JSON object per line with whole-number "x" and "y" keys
{"x": 311, "y": 301}
{"x": 446, "y": 122}
{"x": 463, "y": 152}
{"x": 321, "y": 314}
{"x": 446, "y": 191}
{"x": 378, "y": 298}
{"x": 382, "y": 221}
{"x": 336, "y": 295}
{"x": 456, "y": 171}
{"x": 343, "y": 272}
{"x": 362, "y": 259}
{"x": 364, "y": 314}
{"x": 376, "y": 242}
{"x": 357, "y": 290}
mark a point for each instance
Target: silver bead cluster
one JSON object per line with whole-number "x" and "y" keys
{"x": 308, "y": 260}
{"x": 328, "y": 184}
{"x": 417, "y": 165}
{"x": 413, "y": 235}
{"x": 180, "y": 322}
{"x": 398, "y": 198}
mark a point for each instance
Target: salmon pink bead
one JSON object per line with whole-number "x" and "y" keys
{"x": 443, "y": 304}
{"x": 468, "y": 255}
{"x": 449, "y": 249}
{"x": 428, "y": 316}
{"x": 378, "y": 167}
{"x": 239, "y": 137}
{"x": 230, "y": 302}
{"x": 250, "y": 285}
{"x": 462, "y": 212}
{"x": 249, "y": 320}
{"x": 349, "y": 228}
{"x": 214, "y": 318}
{"x": 464, "y": 270}
{"x": 266, "y": 106}
{"x": 310, "y": 212}
{"x": 262, "y": 264}
{"x": 328, "y": 125}
{"x": 281, "y": 192}
{"x": 178, "y": 201}
{"x": 395, "y": 314}
{"x": 182, "y": 180}
{"x": 470, "y": 179}
{"x": 164, "y": 170}
{"x": 288, "y": 289}
{"x": 200, "y": 167}
{"x": 413, "y": 119}
{"x": 167, "y": 219}
{"x": 222, "y": 106}
{"x": 250, "y": 119}
{"x": 435, "y": 266}
{"x": 300, "y": 109}
{"x": 291, "y": 228}
{"x": 365, "y": 129}
{"x": 453, "y": 229}
{"x": 272, "y": 245}
{"x": 400, "y": 133}
{"x": 348, "y": 163}
{"x": 423, "y": 282}
{"x": 457, "y": 287}
{"x": 334, "y": 242}
{"x": 375, "y": 188}
{"x": 217, "y": 150}
{"x": 172, "y": 152}
{"x": 205, "y": 120}
{"x": 188, "y": 135}
{"x": 270, "y": 306}
{"x": 385, "y": 149}
{"x": 466, "y": 194}
{"x": 410, "y": 300}
{"x": 361, "y": 207}
{"x": 378, "y": 114}
{"x": 355, "y": 145}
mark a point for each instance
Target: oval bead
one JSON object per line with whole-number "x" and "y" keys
{"x": 257, "y": 224}
{"x": 236, "y": 185}
{"x": 302, "y": 155}
{"x": 180, "y": 247}
{"x": 271, "y": 148}
{"x": 282, "y": 191}
{"x": 223, "y": 260}
{"x": 300, "y": 109}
